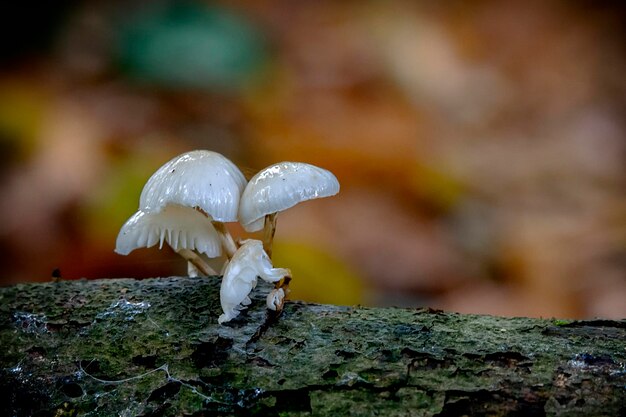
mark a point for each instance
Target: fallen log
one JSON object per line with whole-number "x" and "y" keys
{"x": 125, "y": 347}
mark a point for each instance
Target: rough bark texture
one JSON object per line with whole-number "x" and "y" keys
{"x": 123, "y": 347}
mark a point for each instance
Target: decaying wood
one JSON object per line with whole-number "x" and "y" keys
{"x": 154, "y": 348}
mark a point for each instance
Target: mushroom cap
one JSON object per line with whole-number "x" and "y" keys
{"x": 202, "y": 179}
{"x": 181, "y": 227}
{"x": 281, "y": 186}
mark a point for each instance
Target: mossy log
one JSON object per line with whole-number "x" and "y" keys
{"x": 123, "y": 347}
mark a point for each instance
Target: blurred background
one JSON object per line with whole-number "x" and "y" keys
{"x": 480, "y": 146}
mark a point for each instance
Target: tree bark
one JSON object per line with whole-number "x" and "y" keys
{"x": 123, "y": 347}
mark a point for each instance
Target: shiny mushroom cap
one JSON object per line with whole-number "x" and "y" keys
{"x": 202, "y": 179}
{"x": 281, "y": 186}
{"x": 181, "y": 227}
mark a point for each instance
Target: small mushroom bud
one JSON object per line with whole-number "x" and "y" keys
{"x": 240, "y": 277}
{"x": 275, "y": 299}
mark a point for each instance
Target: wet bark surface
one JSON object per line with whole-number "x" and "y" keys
{"x": 154, "y": 348}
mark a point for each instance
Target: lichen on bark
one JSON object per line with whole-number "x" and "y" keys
{"x": 154, "y": 348}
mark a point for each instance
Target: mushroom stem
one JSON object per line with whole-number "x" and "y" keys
{"x": 193, "y": 258}
{"x": 269, "y": 230}
{"x": 228, "y": 243}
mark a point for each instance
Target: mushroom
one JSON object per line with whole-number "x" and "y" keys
{"x": 183, "y": 228}
{"x": 199, "y": 179}
{"x": 240, "y": 277}
{"x": 276, "y": 299}
{"x": 277, "y": 188}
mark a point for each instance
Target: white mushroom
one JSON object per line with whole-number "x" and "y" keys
{"x": 277, "y": 188}
{"x": 198, "y": 179}
{"x": 275, "y": 299}
{"x": 240, "y": 277}
{"x": 183, "y": 228}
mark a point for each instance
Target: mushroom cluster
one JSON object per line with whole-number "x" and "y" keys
{"x": 187, "y": 202}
